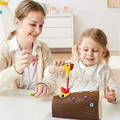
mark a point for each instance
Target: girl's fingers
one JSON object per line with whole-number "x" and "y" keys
{"x": 110, "y": 97}
{"x": 62, "y": 62}
{"x": 111, "y": 100}
{"x": 54, "y": 63}
{"x": 110, "y": 94}
{"x": 58, "y": 63}
{"x": 107, "y": 89}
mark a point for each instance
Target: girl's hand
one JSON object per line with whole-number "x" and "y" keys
{"x": 110, "y": 95}
{"x": 57, "y": 67}
{"x": 24, "y": 59}
{"x": 42, "y": 90}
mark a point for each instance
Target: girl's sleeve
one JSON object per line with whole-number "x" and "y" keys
{"x": 110, "y": 81}
{"x": 48, "y": 78}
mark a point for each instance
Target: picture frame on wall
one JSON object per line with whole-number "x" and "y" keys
{"x": 113, "y": 3}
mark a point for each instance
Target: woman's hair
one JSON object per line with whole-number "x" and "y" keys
{"x": 22, "y": 11}
{"x": 98, "y": 36}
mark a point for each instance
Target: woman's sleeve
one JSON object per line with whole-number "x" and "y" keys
{"x": 8, "y": 75}
{"x": 47, "y": 56}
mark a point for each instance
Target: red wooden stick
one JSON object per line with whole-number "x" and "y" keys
{"x": 67, "y": 82}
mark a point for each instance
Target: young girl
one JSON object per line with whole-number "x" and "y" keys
{"x": 22, "y": 57}
{"x": 90, "y": 58}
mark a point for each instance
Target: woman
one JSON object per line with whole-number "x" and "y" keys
{"x": 23, "y": 58}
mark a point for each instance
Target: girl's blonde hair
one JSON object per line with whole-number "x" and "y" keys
{"x": 22, "y": 11}
{"x": 98, "y": 36}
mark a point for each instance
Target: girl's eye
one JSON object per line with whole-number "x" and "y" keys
{"x": 41, "y": 26}
{"x": 95, "y": 50}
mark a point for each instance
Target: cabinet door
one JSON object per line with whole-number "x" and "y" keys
{"x": 58, "y": 42}
{"x": 58, "y": 22}
{"x": 58, "y": 31}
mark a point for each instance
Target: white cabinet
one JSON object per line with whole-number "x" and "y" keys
{"x": 58, "y": 31}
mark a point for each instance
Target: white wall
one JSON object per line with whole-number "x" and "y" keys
{"x": 90, "y": 13}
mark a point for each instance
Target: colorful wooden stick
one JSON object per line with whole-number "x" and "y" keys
{"x": 66, "y": 91}
{"x": 68, "y": 67}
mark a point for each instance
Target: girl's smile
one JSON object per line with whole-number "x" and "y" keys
{"x": 90, "y": 51}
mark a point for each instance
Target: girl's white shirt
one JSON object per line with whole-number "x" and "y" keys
{"x": 84, "y": 78}
{"x": 29, "y": 79}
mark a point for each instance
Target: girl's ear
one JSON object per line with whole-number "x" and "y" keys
{"x": 105, "y": 52}
{"x": 79, "y": 49}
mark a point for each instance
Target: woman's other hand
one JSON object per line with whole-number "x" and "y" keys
{"x": 42, "y": 90}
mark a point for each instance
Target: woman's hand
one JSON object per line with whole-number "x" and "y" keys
{"x": 24, "y": 59}
{"x": 57, "y": 67}
{"x": 110, "y": 95}
{"x": 42, "y": 90}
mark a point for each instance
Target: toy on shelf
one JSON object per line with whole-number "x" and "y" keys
{"x": 66, "y": 10}
{"x": 3, "y": 2}
{"x": 52, "y": 10}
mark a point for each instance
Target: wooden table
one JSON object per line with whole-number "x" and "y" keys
{"x": 18, "y": 105}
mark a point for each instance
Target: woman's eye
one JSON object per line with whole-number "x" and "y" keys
{"x": 85, "y": 49}
{"x": 33, "y": 25}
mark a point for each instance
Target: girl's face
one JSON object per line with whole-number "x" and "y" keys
{"x": 31, "y": 26}
{"x": 90, "y": 51}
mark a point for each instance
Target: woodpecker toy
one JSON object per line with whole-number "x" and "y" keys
{"x": 66, "y": 91}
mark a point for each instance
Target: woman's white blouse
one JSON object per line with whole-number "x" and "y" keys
{"x": 29, "y": 79}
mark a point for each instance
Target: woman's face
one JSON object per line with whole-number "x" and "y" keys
{"x": 30, "y": 27}
{"x": 90, "y": 51}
